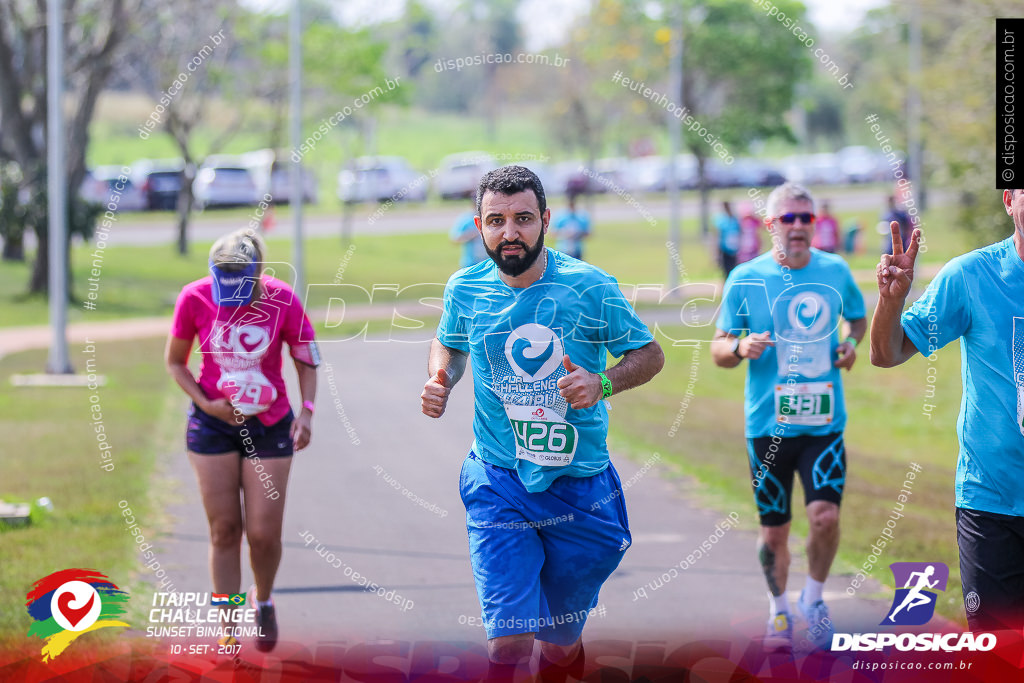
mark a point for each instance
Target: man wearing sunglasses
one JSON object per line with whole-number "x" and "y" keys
{"x": 976, "y": 298}
{"x": 783, "y": 312}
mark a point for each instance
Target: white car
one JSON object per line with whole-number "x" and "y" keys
{"x": 378, "y": 179}
{"x": 813, "y": 169}
{"x": 224, "y": 184}
{"x": 459, "y": 174}
{"x": 271, "y": 172}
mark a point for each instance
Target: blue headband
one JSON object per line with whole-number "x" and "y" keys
{"x": 233, "y": 288}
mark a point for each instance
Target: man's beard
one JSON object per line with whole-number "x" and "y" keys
{"x": 517, "y": 264}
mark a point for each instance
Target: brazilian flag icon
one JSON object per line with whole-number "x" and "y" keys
{"x": 237, "y": 599}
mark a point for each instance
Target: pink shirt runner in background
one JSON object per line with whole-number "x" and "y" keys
{"x": 826, "y": 233}
{"x": 241, "y": 345}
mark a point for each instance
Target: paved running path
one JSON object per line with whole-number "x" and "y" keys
{"x": 338, "y": 497}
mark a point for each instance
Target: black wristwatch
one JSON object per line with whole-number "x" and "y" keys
{"x": 736, "y": 348}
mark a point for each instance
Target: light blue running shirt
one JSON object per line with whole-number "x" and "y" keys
{"x": 979, "y": 297}
{"x": 577, "y": 223}
{"x": 794, "y": 388}
{"x": 516, "y": 338}
{"x": 473, "y": 249}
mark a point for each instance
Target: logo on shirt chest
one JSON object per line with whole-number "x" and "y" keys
{"x": 533, "y": 351}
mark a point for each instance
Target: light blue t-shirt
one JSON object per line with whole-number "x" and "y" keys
{"x": 728, "y": 233}
{"x": 794, "y": 388}
{"x": 516, "y": 338}
{"x": 979, "y": 298}
{"x": 473, "y": 249}
{"x": 570, "y": 229}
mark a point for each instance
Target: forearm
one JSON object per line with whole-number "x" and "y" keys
{"x": 721, "y": 351}
{"x": 452, "y": 360}
{"x": 889, "y": 343}
{"x": 636, "y": 367}
{"x": 307, "y": 381}
{"x": 855, "y": 329}
{"x": 183, "y": 376}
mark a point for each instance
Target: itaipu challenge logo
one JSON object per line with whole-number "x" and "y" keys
{"x": 70, "y": 603}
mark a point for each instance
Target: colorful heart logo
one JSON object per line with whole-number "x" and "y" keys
{"x": 75, "y": 605}
{"x": 72, "y": 614}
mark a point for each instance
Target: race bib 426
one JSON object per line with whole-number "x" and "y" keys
{"x": 542, "y": 436}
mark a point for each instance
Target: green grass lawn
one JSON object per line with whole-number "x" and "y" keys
{"x": 886, "y": 432}
{"x": 53, "y": 451}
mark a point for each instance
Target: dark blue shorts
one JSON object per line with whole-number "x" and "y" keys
{"x": 208, "y": 435}
{"x": 539, "y": 559}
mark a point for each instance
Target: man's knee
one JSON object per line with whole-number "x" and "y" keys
{"x": 510, "y": 649}
{"x": 823, "y": 517}
{"x": 561, "y": 655}
{"x": 775, "y": 539}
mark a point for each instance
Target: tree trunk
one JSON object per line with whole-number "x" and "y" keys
{"x": 185, "y": 201}
{"x": 39, "y": 283}
{"x": 14, "y": 249}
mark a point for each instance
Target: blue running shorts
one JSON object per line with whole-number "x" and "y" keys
{"x": 539, "y": 559}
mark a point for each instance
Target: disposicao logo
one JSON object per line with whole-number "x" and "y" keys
{"x": 72, "y": 602}
{"x": 914, "y": 605}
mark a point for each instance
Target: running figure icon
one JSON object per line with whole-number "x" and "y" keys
{"x": 914, "y": 597}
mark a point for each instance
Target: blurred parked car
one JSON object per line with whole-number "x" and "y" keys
{"x": 613, "y": 174}
{"x": 647, "y": 173}
{"x": 271, "y": 172}
{"x": 281, "y": 184}
{"x": 650, "y": 174}
{"x": 160, "y": 182}
{"x": 222, "y": 182}
{"x": 459, "y": 174}
{"x": 378, "y": 179}
{"x": 101, "y": 185}
{"x": 813, "y": 169}
{"x": 752, "y": 172}
{"x": 861, "y": 164}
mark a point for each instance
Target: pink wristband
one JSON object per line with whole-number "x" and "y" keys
{"x": 308, "y": 405}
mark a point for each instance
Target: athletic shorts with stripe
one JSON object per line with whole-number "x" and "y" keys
{"x": 539, "y": 559}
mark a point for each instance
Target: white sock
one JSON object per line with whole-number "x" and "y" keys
{"x": 812, "y": 591}
{"x": 264, "y": 603}
{"x": 779, "y": 604}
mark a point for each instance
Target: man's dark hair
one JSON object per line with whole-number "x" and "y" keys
{"x": 511, "y": 180}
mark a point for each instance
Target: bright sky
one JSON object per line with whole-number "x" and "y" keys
{"x": 828, "y": 15}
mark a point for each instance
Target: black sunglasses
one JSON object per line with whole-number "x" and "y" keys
{"x": 789, "y": 218}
